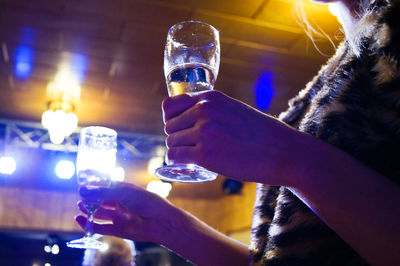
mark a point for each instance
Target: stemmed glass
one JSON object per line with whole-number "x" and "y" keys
{"x": 191, "y": 63}
{"x": 95, "y": 164}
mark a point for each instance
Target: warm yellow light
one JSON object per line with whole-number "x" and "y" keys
{"x": 333, "y": 8}
{"x": 60, "y": 124}
{"x": 154, "y": 163}
{"x": 63, "y": 93}
{"x": 160, "y": 188}
{"x": 64, "y": 88}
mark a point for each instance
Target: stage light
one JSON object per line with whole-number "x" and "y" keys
{"x": 160, "y": 188}
{"x": 55, "y": 249}
{"x": 47, "y": 264}
{"x": 118, "y": 174}
{"x": 7, "y": 165}
{"x": 65, "y": 169}
{"x": 23, "y": 61}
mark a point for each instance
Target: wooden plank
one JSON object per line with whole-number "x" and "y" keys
{"x": 234, "y": 7}
{"x": 45, "y": 210}
{"x": 30, "y": 209}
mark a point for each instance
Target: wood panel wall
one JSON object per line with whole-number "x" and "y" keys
{"x": 54, "y": 211}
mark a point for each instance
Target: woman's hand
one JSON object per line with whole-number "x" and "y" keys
{"x": 229, "y": 137}
{"x": 130, "y": 212}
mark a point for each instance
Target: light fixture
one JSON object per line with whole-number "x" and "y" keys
{"x": 63, "y": 94}
{"x": 160, "y": 188}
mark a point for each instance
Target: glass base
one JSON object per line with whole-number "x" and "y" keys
{"x": 87, "y": 243}
{"x": 185, "y": 173}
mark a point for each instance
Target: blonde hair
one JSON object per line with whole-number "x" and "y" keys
{"x": 361, "y": 9}
{"x": 314, "y": 32}
{"x": 120, "y": 252}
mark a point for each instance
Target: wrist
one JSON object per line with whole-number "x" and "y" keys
{"x": 299, "y": 161}
{"x": 170, "y": 225}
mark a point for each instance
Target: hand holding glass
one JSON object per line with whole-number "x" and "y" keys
{"x": 95, "y": 164}
{"x": 191, "y": 63}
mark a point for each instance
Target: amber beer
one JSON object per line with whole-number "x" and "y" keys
{"x": 190, "y": 78}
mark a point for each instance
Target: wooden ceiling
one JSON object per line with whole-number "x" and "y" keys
{"x": 117, "y": 47}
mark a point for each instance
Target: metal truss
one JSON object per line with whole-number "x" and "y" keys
{"x": 34, "y": 135}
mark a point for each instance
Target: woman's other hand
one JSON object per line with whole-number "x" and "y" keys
{"x": 130, "y": 212}
{"x": 133, "y": 213}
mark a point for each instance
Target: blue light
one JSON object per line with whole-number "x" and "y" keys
{"x": 7, "y": 165}
{"x": 264, "y": 90}
{"x": 27, "y": 35}
{"x": 23, "y": 61}
{"x": 78, "y": 65}
{"x": 65, "y": 169}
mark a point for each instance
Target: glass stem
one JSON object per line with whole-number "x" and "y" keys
{"x": 89, "y": 225}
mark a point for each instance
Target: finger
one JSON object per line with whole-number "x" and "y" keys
{"x": 202, "y": 110}
{"x": 129, "y": 198}
{"x": 183, "y": 121}
{"x": 173, "y": 106}
{"x": 103, "y": 229}
{"x": 181, "y": 155}
{"x": 107, "y": 195}
{"x": 184, "y": 137}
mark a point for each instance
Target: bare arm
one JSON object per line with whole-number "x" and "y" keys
{"x": 202, "y": 244}
{"x": 231, "y": 138}
{"x": 136, "y": 214}
{"x": 359, "y": 204}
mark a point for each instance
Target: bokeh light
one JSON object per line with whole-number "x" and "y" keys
{"x": 160, "y": 188}
{"x": 65, "y": 169}
{"x": 7, "y": 165}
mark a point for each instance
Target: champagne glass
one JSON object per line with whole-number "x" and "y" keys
{"x": 95, "y": 164}
{"x": 191, "y": 63}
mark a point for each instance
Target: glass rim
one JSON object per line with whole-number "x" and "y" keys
{"x": 99, "y": 131}
{"x": 194, "y": 22}
{"x": 212, "y": 28}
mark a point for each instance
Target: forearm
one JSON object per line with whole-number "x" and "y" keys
{"x": 356, "y": 202}
{"x": 201, "y": 244}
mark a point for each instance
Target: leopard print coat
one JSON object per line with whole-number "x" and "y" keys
{"x": 354, "y": 104}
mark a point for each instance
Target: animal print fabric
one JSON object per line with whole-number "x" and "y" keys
{"x": 354, "y": 104}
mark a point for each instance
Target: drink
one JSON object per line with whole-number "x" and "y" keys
{"x": 91, "y": 179}
{"x": 189, "y": 78}
{"x": 191, "y": 63}
{"x": 95, "y": 163}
